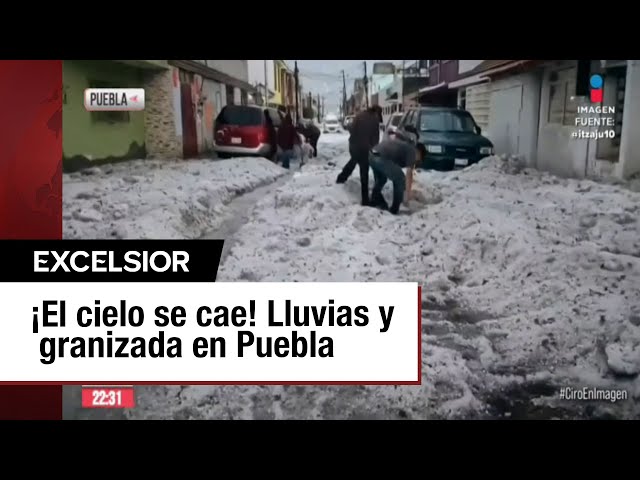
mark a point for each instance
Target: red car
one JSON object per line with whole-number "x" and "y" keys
{"x": 241, "y": 130}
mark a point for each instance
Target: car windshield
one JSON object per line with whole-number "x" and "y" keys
{"x": 331, "y": 121}
{"x": 395, "y": 121}
{"x": 444, "y": 121}
{"x": 241, "y": 116}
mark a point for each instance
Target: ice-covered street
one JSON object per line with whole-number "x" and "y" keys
{"x": 531, "y": 283}
{"x": 158, "y": 199}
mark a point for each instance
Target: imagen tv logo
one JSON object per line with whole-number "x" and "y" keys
{"x": 596, "y": 82}
{"x": 114, "y": 99}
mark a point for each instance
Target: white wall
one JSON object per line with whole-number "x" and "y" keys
{"x": 524, "y": 133}
{"x": 235, "y": 68}
{"x": 630, "y": 141}
{"x": 629, "y": 157}
{"x": 256, "y": 72}
{"x": 558, "y": 153}
{"x": 466, "y": 65}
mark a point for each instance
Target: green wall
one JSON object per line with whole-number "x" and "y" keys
{"x": 86, "y": 141}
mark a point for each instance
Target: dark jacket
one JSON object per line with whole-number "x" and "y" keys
{"x": 399, "y": 152}
{"x": 272, "y": 136}
{"x": 287, "y": 136}
{"x": 310, "y": 131}
{"x": 365, "y": 131}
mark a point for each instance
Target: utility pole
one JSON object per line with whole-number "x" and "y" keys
{"x": 266, "y": 85}
{"x": 366, "y": 85}
{"x": 323, "y": 112}
{"x": 318, "y": 105}
{"x": 295, "y": 76}
{"x": 344, "y": 95}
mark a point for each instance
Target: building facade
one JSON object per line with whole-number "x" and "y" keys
{"x": 201, "y": 89}
{"x": 98, "y": 137}
{"x": 531, "y": 107}
{"x": 183, "y": 98}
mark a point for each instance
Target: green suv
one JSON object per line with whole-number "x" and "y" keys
{"x": 451, "y": 136}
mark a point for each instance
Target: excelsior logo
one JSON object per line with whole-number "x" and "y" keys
{"x": 114, "y": 99}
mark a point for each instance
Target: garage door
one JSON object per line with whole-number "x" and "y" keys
{"x": 506, "y": 105}
{"x": 478, "y": 98}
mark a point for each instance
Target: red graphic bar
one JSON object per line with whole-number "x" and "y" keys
{"x": 108, "y": 397}
{"x": 596, "y": 95}
{"x": 30, "y": 190}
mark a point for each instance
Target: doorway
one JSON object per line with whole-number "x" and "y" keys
{"x": 189, "y": 134}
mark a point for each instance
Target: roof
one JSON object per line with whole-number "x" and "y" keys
{"x": 212, "y": 73}
{"x": 484, "y": 66}
{"x": 487, "y": 69}
{"x": 437, "y": 109}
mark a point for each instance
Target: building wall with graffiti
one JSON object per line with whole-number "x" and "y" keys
{"x": 207, "y": 98}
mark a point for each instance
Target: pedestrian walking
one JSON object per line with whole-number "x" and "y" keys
{"x": 287, "y": 140}
{"x": 365, "y": 134}
{"x": 387, "y": 159}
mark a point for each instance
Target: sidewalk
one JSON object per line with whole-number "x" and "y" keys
{"x": 158, "y": 199}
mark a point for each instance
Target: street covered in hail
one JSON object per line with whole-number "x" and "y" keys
{"x": 531, "y": 283}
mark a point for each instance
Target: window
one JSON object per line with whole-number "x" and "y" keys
{"x": 229, "y": 93}
{"x": 557, "y": 93}
{"x": 563, "y": 103}
{"x": 218, "y": 104}
{"x": 462, "y": 101}
{"x": 405, "y": 120}
{"x": 446, "y": 121}
{"x": 570, "y": 104}
{"x": 108, "y": 117}
{"x": 409, "y": 119}
{"x": 276, "y": 117}
{"x": 241, "y": 116}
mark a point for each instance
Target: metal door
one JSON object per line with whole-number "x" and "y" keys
{"x": 189, "y": 134}
{"x": 506, "y": 105}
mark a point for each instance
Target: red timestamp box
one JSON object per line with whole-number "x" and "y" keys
{"x": 108, "y": 397}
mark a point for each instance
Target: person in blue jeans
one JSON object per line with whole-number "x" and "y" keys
{"x": 387, "y": 159}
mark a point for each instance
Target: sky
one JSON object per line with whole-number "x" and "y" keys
{"x": 325, "y": 77}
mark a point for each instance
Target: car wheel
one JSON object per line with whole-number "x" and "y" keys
{"x": 224, "y": 155}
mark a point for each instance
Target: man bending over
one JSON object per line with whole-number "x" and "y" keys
{"x": 387, "y": 159}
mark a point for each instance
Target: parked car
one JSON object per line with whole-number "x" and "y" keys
{"x": 241, "y": 130}
{"x": 392, "y": 125}
{"x": 331, "y": 124}
{"x": 451, "y": 136}
{"x": 348, "y": 120}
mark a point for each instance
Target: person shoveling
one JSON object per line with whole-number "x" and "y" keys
{"x": 387, "y": 159}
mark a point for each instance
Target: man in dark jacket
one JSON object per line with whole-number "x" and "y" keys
{"x": 387, "y": 159}
{"x": 272, "y": 138}
{"x": 287, "y": 139}
{"x": 365, "y": 134}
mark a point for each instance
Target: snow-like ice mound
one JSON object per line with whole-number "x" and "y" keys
{"x": 158, "y": 199}
{"x": 530, "y": 282}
